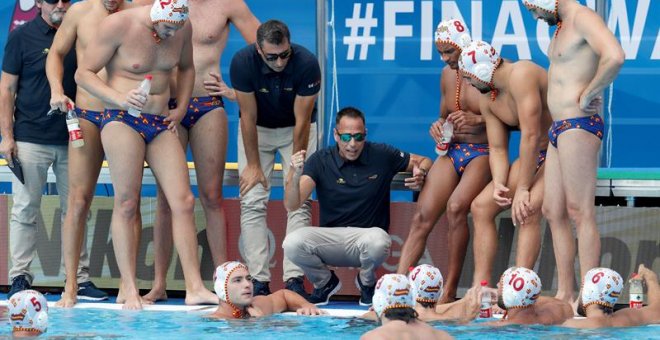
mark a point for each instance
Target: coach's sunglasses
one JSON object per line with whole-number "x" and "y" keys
{"x": 274, "y": 56}
{"x": 54, "y": 2}
{"x": 346, "y": 137}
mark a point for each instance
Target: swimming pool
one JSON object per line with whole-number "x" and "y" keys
{"x": 92, "y": 323}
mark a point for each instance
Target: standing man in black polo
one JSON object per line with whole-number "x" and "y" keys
{"x": 276, "y": 84}
{"x": 36, "y": 139}
{"x": 352, "y": 181}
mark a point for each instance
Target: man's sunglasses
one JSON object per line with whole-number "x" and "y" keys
{"x": 346, "y": 137}
{"x": 274, "y": 56}
{"x": 54, "y": 2}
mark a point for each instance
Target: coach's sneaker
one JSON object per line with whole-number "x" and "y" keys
{"x": 19, "y": 283}
{"x": 88, "y": 291}
{"x": 321, "y": 296}
{"x": 366, "y": 292}
{"x": 260, "y": 288}
{"x": 296, "y": 284}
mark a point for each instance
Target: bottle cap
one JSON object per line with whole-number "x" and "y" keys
{"x": 149, "y": 76}
{"x": 484, "y": 283}
{"x": 69, "y": 106}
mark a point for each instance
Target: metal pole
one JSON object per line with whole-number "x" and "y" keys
{"x": 321, "y": 25}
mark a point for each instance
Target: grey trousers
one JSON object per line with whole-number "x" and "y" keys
{"x": 26, "y": 211}
{"x": 254, "y": 238}
{"x": 314, "y": 248}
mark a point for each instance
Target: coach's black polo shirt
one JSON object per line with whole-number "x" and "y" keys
{"x": 355, "y": 194}
{"x": 275, "y": 92}
{"x": 25, "y": 56}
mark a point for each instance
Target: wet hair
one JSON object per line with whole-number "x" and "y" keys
{"x": 273, "y": 32}
{"x": 405, "y": 314}
{"x": 426, "y": 304}
{"x": 351, "y": 112}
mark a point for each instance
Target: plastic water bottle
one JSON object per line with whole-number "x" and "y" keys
{"x": 145, "y": 87}
{"x": 73, "y": 125}
{"x": 636, "y": 292}
{"x": 486, "y": 310}
{"x": 447, "y": 133}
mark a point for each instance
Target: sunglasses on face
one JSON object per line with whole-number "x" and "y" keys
{"x": 274, "y": 56}
{"x": 54, "y": 2}
{"x": 346, "y": 137}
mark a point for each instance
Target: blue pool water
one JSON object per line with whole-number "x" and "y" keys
{"x": 109, "y": 324}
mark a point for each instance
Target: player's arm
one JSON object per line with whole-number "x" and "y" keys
{"x": 285, "y": 300}
{"x": 241, "y": 16}
{"x": 605, "y": 45}
{"x": 64, "y": 40}
{"x": 529, "y": 105}
{"x": 185, "y": 77}
{"x": 498, "y": 143}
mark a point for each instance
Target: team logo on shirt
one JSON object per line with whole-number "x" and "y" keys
{"x": 264, "y": 90}
{"x": 341, "y": 181}
{"x": 373, "y": 176}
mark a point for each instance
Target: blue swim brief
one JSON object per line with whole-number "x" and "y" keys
{"x": 147, "y": 125}
{"x": 461, "y": 154}
{"x": 541, "y": 159}
{"x": 197, "y": 107}
{"x": 94, "y": 117}
{"x": 593, "y": 124}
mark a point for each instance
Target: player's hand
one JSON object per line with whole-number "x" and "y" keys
{"x": 297, "y": 163}
{"x": 310, "y": 311}
{"x": 462, "y": 119}
{"x": 521, "y": 208}
{"x": 58, "y": 101}
{"x": 216, "y": 87}
{"x": 594, "y": 106}
{"x": 436, "y": 130}
{"x": 135, "y": 98}
{"x": 173, "y": 119}
{"x": 251, "y": 176}
{"x": 499, "y": 192}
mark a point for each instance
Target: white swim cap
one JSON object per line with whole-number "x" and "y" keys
{"x": 520, "y": 287}
{"x": 425, "y": 283}
{"x": 28, "y": 311}
{"x": 392, "y": 291}
{"x": 221, "y": 278}
{"x": 453, "y": 32}
{"x": 601, "y": 286}
{"x": 480, "y": 60}
{"x": 546, "y": 5}
{"x": 174, "y": 11}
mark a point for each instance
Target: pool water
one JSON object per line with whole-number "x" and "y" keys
{"x": 112, "y": 324}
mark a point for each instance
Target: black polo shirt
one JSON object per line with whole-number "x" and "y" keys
{"x": 355, "y": 194}
{"x": 275, "y": 92}
{"x": 25, "y": 56}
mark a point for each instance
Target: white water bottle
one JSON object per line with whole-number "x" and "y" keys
{"x": 145, "y": 87}
{"x": 73, "y": 125}
{"x": 447, "y": 133}
{"x": 636, "y": 292}
{"x": 486, "y": 309}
